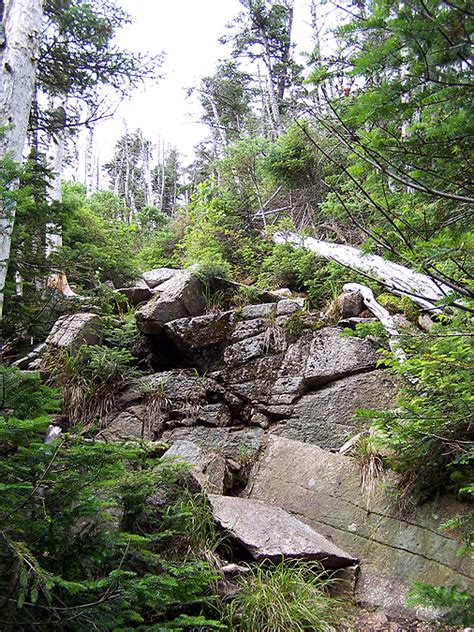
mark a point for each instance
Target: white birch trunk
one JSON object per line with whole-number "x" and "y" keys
{"x": 162, "y": 174}
{"x": 55, "y": 157}
{"x": 217, "y": 121}
{"x": 18, "y": 60}
{"x": 398, "y": 279}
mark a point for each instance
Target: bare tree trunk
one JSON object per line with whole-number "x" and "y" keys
{"x": 21, "y": 22}
{"x": 217, "y": 121}
{"x": 55, "y": 157}
{"x": 89, "y": 160}
{"x": 162, "y": 174}
{"x": 422, "y": 289}
{"x": 272, "y": 95}
{"x": 147, "y": 172}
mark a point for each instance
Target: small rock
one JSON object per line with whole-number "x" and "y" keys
{"x": 135, "y": 295}
{"x": 192, "y": 334}
{"x": 287, "y": 307}
{"x": 208, "y": 468}
{"x": 350, "y": 304}
{"x": 158, "y": 276}
{"x": 257, "y": 311}
{"x": 259, "y": 419}
{"x": 425, "y": 322}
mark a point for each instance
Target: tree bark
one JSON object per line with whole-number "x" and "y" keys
{"x": 55, "y": 158}
{"x": 398, "y": 279}
{"x": 21, "y": 22}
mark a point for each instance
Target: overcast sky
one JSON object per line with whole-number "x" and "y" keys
{"x": 187, "y": 31}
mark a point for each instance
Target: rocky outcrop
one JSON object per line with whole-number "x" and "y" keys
{"x": 201, "y": 332}
{"x": 282, "y": 372}
{"x": 75, "y": 330}
{"x": 265, "y": 395}
{"x": 395, "y": 548}
{"x": 269, "y": 533}
{"x": 181, "y": 296}
{"x": 326, "y": 417}
{"x": 182, "y": 405}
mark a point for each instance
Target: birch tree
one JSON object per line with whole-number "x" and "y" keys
{"x": 21, "y": 26}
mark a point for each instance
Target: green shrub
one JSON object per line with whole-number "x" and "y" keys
{"x": 294, "y": 326}
{"x": 289, "y": 267}
{"x": 81, "y": 547}
{"x": 288, "y": 597}
{"x": 458, "y": 604}
{"x": 23, "y": 396}
{"x": 429, "y": 434}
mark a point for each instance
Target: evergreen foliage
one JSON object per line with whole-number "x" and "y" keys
{"x": 80, "y": 545}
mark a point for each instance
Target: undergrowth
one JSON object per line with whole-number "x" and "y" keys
{"x": 289, "y": 597}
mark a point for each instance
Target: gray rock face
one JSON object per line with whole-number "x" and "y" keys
{"x": 326, "y": 416}
{"x": 263, "y": 366}
{"x": 192, "y": 334}
{"x": 288, "y": 306}
{"x": 394, "y": 549}
{"x": 179, "y": 297}
{"x": 332, "y": 356}
{"x": 181, "y": 405}
{"x": 258, "y": 311}
{"x": 238, "y": 443}
{"x": 75, "y": 330}
{"x": 273, "y": 534}
{"x": 208, "y": 469}
{"x": 156, "y": 277}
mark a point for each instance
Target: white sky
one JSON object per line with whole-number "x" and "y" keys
{"x": 187, "y": 31}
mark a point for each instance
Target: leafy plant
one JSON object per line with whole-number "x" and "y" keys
{"x": 22, "y": 395}
{"x": 294, "y": 325}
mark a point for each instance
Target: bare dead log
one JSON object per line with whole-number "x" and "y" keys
{"x": 420, "y": 288}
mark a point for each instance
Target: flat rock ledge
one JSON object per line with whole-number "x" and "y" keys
{"x": 270, "y": 533}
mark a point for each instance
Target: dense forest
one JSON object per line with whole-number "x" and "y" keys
{"x": 348, "y": 174}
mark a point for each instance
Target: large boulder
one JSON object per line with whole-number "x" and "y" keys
{"x": 75, "y": 330}
{"x": 158, "y": 276}
{"x": 395, "y": 548}
{"x": 269, "y": 533}
{"x": 332, "y": 356}
{"x": 181, "y": 405}
{"x": 262, "y": 364}
{"x": 179, "y": 297}
{"x": 327, "y": 418}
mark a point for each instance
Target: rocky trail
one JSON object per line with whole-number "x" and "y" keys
{"x": 260, "y": 400}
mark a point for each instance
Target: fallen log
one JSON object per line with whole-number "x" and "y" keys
{"x": 398, "y": 279}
